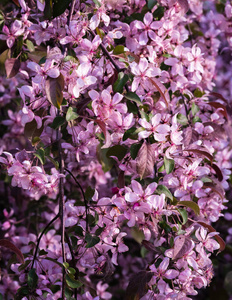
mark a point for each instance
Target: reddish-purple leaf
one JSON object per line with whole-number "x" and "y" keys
{"x": 54, "y": 90}
{"x": 217, "y": 237}
{"x": 218, "y": 172}
{"x": 7, "y": 244}
{"x": 137, "y": 286}
{"x": 144, "y": 160}
{"x": 12, "y": 66}
{"x": 201, "y": 153}
{"x": 102, "y": 125}
{"x": 219, "y": 96}
{"x": 182, "y": 245}
{"x": 121, "y": 179}
{"x": 221, "y": 106}
{"x": 215, "y": 187}
{"x": 162, "y": 89}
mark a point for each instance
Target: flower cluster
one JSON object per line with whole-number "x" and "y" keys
{"x": 115, "y": 147}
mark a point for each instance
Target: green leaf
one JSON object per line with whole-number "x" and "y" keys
{"x": 162, "y": 189}
{"x": 198, "y": 93}
{"x": 71, "y": 271}
{"x": 57, "y": 122}
{"x": 194, "y": 109}
{"x": 134, "y": 149}
{"x": 120, "y": 82}
{"x": 182, "y": 119}
{"x": 72, "y": 282}
{"x": 59, "y": 7}
{"x": 55, "y": 162}
{"x": 23, "y": 291}
{"x": 130, "y": 133}
{"x": 163, "y": 224}
{"x": 133, "y": 97}
{"x": 66, "y": 265}
{"x": 118, "y": 151}
{"x": 68, "y": 293}
{"x": 32, "y": 279}
{"x": 183, "y": 214}
{"x": 48, "y": 9}
{"x": 91, "y": 240}
{"x": 71, "y": 114}
{"x": 137, "y": 234}
{"x": 159, "y": 12}
{"x": 23, "y": 266}
{"x": 40, "y": 155}
{"x": 196, "y": 119}
{"x": 118, "y": 49}
{"x": 30, "y": 46}
{"x": 97, "y": 3}
{"x": 100, "y": 230}
{"x": 89, "y": 192}
{"x": 190, "y": 204}
{"x": 106, "y": 162}
{"x": 132, "y": 107}
{"x": 79, "y": 231}
{"x": 151, "y": 4}
{"x": 169, "y": 165}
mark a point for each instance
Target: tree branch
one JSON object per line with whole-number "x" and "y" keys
{"x": 42, "y": 233}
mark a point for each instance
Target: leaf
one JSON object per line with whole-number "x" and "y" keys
{"x": 222, "y": 107}
{"x": 120, "y": 82}
{"x": 134, "y": 149}
{"x": 183, "y": 214}
{"x": 181, "y": 246}
{"x": 121, "y": 179}
{"x": 217, "y": 237}
{"x": 133, "y": 97}
{"x": 91, "y": 240}
{"x": 48, "y": 9}
{"x": 130, "y": 133}
{"x": 137, "y": 286}
{"x": 217, "y": 95}
{"x": 182, "y": 119}
{"x": 30, "y": 46}
{"x": 12, "y": 66}
{"x": 118, "y": 151}
{"x": 72, "y": 282}
{"x": 190, "y": 204}
{"x": 137, "y": 234}
{"x": 31, "y": 131}
{"x": 151, "y": 4}
{"x": 102, "y": 125}
{"x": 194, "y": 109}
{"x": 40, "y": 155}
{"x": 162, "y": 189}
{"x": 54, "y": 90}
{"x": 7, "y": 244}
{"x": 24, "y": 265}
{"x": 57, "y": 122}
{"x": 201, "y": 153}
{"x": 89, "y": 193}
{"x": 218, "y": 172}
{"x": 59, "y": 7}
{"x": 118, "y": 49}
{"x": 145, "y": 161}
{"x": 55, "y": 162}
{"x": 162, "y": 89}
{"x": 71, "y": 114}
{"x": 32, "y": 279}
{"x": 169, "y": 165}
{"x": 216, "y": 188}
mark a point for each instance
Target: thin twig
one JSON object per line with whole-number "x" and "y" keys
{"x": 71, "y": 12}
{"x": 83, "y": 194}
{"x": 42, "y": 233}
{"x": 73, "y": 257}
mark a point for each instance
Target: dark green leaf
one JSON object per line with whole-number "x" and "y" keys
{"x": 99, "y": 230}
{"x": 183, "y": 214}
{"x": 66, "y": 265}
{"x": 23, "y": 291}
{"x": 91, "y": 240}
{"x": 228, "y": 282}
{"x": 151, "y": 4}
{"x": 133, "y": 97}
{"x": 198, "y": 93}
{"x": 162, "y": 189}
{"x": 79, "y": 231}
{"x": 57, "y": 122}
{"x": 72, "y": 282}
{"x": 23, "y": 266}
{"x": 97, "y": 3}
{"x": 59, "y": 7}
{"x": 132, "y": 107}
{"x": 71, "y": 271}
{"x": 169, "y": 165}
{"x": 118, "y": 49}
{"x": 190, "y": 204}
{"x": 40, "y": 155}
{"x": 129, "y": 134}
{"x": 48, "y": 9}
{"x": 163, "y": 224}
{"x": 159, "y": 12}
{"x": 68, "y": 293}
{"x": 134, "y": 149}
{"x": 71, "y": 114}
{"x": 55, "y": 162}
{"x": 89, "y": 192}
{"x": 120, "y": 82}
{"x": 118, "y": 151}
{"x": 32, "y": 279}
